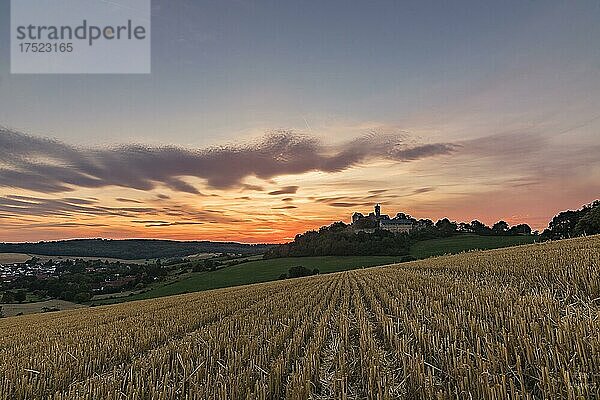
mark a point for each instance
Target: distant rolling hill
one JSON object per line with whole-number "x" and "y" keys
{"x": 270, "y": 269}
{"x": 130, "y": 249}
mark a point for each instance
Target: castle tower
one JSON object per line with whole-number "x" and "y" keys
{"x": 377, "y": 211}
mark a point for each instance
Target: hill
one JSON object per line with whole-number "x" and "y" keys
{"x": 130, "y": 249}
{"x": 340, "y": 239}
{"x": 259, "y": 271}
{"x": 271, "y": 269}
{"x": 81, "y": 280}
{"x": 523, "y": 317}
{"x": 466, "y": 242}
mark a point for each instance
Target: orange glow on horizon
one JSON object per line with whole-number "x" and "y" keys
{"x": 275, "y": 211}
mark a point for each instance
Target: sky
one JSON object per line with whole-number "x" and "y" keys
{"x": 263, "y": 119}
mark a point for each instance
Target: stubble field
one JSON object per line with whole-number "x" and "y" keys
{"x": 513, "y": 323}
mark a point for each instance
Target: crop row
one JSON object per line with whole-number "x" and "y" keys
{"x": 520, "y": 323}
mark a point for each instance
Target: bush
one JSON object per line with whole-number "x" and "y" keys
{"x": 299, "y": 271}
{"x": 20, "y": 296}
{"x": 81, "y": 297}
{"x": 8, "y": 297}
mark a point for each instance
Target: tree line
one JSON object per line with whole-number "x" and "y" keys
{"x": 340, "y": 239}
{"x": 130, "y": 249}
{"x": 337, "y": 240}
{"x": 573, "y": 223}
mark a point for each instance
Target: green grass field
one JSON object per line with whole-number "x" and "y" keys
{"x": 12, "y": 258}
{"x": 260, "y": 271}
{"x": 460, "y": 243}
{"x": 271, "y": 269}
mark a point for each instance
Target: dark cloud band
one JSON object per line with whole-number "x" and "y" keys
{"x": 50, "y": 166}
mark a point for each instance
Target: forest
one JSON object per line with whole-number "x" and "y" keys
{"x": 130, "y": 249}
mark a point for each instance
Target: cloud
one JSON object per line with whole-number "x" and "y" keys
{"x": 284, "y": 208}
{"x": 285, "y": 190}
{"x": 49, "y": 166}
{"x": 58, "y": 225}
{"x": 347, "y": 205}
{"x": 176, "y": 223}
{"x": 510, "y": 145}
{"x": 526, "y": 158}
{"x": 382, "y": 196}
{"x": 123, "y": 200}
{"x": 255, "y": 188}
{"x": 160, "y": 223}
{"x": 423, "y": 190}
{"x": 12, "y": 206}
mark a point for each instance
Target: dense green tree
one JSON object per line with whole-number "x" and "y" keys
{"x": 520, "y": 229}
{"x": 480, "y": 228}
{"x": 589, "y": 224}
{"x": 20, "y": 296}
{"x": 299, "y": 271}
{"x": 565, "y": 224}
{"x": 340, "y": 239}
{"x": 81, "y": 297}
{"x": 8, "y": 297}
{"x": 446, "y": 227}
{"x": 500, "y": 228}
{"x": 464, "y": 227}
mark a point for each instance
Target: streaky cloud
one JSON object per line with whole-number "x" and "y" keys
{"x": 50, "y": 166}
{"x": 285, "y": 190}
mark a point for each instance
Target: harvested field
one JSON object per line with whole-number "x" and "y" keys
{"x": 512, "y": 323}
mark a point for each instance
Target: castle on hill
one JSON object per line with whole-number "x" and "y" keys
{"x": 401, "y": 223}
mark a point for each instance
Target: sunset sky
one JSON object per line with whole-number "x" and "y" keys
{"x": 263, "y": 119}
